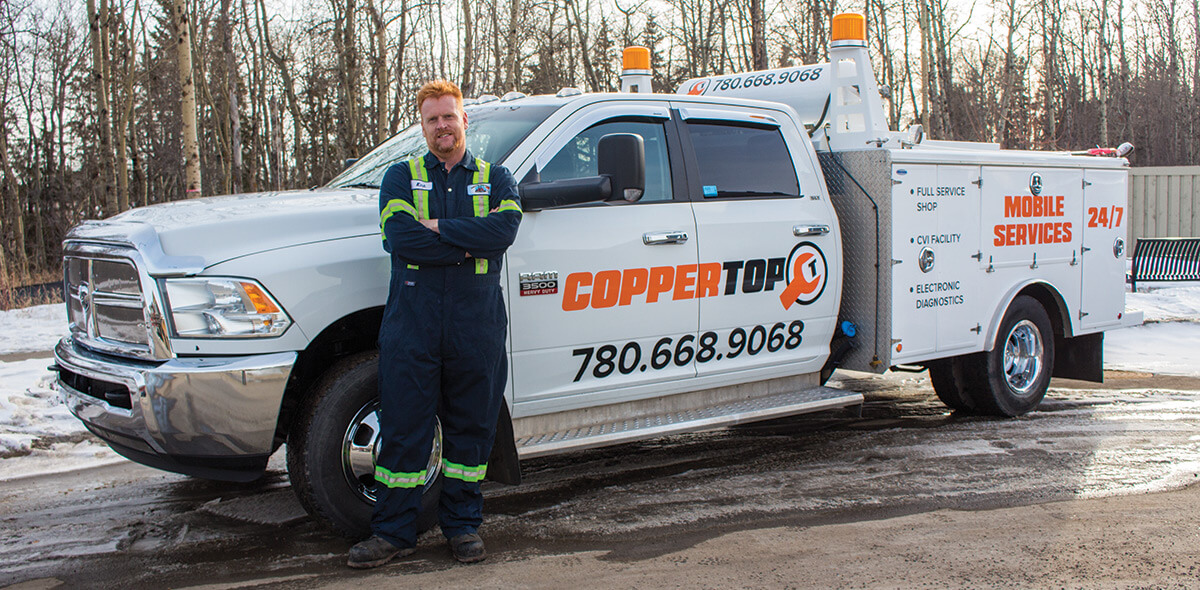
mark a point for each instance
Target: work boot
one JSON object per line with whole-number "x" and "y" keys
{"x": 468, "y": 548}
{"x": 375, "y": 552}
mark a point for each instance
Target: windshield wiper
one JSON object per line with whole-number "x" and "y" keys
{"x": 360, "y": 185}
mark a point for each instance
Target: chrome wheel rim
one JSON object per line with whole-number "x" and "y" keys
{"x": 1023, "y": 357}
{"x": 360, "y": 448}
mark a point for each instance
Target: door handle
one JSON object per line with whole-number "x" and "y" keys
{"x": 655, "y": 238}
{"x": 809, "y": 230}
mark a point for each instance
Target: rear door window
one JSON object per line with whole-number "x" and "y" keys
{"x": 742, "y": 160}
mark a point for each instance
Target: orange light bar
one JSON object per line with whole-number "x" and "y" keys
{"x": 849, "y": 26}
{"x": 635, "y": 58}
{"x": 262, "y": 303}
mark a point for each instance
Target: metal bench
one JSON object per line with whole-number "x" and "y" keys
{"x": 1165, "y": 259}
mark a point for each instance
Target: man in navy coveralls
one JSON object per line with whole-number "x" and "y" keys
{"x": 447, "y": 219}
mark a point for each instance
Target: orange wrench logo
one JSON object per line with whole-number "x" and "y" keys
{"x": 806, "y": 275}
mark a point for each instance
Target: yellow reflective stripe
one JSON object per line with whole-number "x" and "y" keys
{"x": 420, "y": 197}
{"x": 414, "y": 267}
{"x": 481, "y": 205}
{"x": 483, "y": 172}
{"x": 399, "y": 479}
{"x": 393, "y": 206}
{"x": 481, "y": 210}
{"x": 417, "y": 167}
{"x": 508, "y": 205}
{"x": 470, "y": 473}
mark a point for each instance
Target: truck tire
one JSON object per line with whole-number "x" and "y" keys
{"x": 950, "y": 385}
{"x": 1012, "y": 378}
{"x": 331, "y": 450}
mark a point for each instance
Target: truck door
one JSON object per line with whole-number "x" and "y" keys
{"x": 768, "y": 280}
{"x": 1105, "y": 196}
{"x": 592, "y": 288}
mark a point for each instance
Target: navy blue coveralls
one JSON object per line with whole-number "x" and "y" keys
{"x": 441, "y": 345}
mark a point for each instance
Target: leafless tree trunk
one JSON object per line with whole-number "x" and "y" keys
{"x": 511, "y": 74}
{"x": 98, "y": 25}
{"x": 758, "y": 40}
{"x": 232, "y": 114}
{"x": 125, "y": 114}
{"x": 187, "y": 98}
{"x": 380, "y": 67}
{"x": 468, "y": 49}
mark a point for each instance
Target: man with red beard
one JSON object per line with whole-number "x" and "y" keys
{"x": 447, "y": 219}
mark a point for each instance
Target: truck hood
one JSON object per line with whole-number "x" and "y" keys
{"x": 185, "y": 237}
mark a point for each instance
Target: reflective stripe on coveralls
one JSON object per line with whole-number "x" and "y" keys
{"x": 464, "y": 472}
{"x": 421, "y": 197}
{"x": 399, "y": 479}
{"x": 482, "y": 173}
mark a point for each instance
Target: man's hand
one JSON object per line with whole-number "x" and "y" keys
{"x": 431, "y": 224}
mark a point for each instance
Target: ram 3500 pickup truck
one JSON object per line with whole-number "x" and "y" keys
{"x": 685, "y": 261}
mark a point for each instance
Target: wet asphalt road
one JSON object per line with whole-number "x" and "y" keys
{"x": 902, "y": 452}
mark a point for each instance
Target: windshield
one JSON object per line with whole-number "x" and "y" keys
{"x": 492, "y": 133}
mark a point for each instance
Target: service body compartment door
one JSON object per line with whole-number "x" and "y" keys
{"x": 1105, "y": 197}
{"x": 591, "y": 288}
{"x": 935, "y": 244}
{"x": 770, "y": 271}
{"x": 1032, "y": 222}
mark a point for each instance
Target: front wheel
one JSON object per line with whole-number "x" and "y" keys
{"x": 332, "y": 448}
{"x": 1012, "y": 378}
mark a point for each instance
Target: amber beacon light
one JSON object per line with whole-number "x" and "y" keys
{"x": 635, "y": 70}
{"x": 849, "y": 28}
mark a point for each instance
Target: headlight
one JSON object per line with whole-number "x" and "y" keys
{"x": 223, "y": 308}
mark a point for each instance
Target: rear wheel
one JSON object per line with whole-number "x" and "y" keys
{"x": 1012, "y": 378}
{"x": 946, "y": 376}
{"x": 332, "y": 448}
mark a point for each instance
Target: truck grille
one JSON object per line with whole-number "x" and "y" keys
{"x": 105, "y": 306}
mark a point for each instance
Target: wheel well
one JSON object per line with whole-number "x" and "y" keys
{"x": 1054, "y": 305}
{"x": 349, "y": 335}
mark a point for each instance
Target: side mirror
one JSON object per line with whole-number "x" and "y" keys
{"x": 622, "y": 167}
{"x": 622, "y": 157}
{"x": 350, "y": 162}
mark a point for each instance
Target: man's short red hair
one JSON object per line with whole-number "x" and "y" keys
{"x": 438, "y": 89}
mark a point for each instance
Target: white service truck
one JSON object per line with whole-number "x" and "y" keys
{"x": 686, "y": 261}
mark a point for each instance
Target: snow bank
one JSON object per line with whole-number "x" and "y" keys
{"x": 37, "y": 433}
{"x": 1170, "y": 304}
{"x": 32, "y": 329}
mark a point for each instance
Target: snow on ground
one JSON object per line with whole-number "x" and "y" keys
{"x": 1169, "y": 341}
{"x": 38, "y": 435}
{"x": 32, "y": 329}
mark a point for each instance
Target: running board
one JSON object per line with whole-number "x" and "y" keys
{"x": 815, "y": 399}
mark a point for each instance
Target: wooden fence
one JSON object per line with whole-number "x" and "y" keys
{"x": 1164, "y": 201}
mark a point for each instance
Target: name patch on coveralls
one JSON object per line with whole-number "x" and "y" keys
{"x": 422, "y": 185}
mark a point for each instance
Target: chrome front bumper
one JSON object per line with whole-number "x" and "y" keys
{"x": 212, "y": 417}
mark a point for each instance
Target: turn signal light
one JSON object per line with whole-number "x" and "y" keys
{"x": 262, "y": 303}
